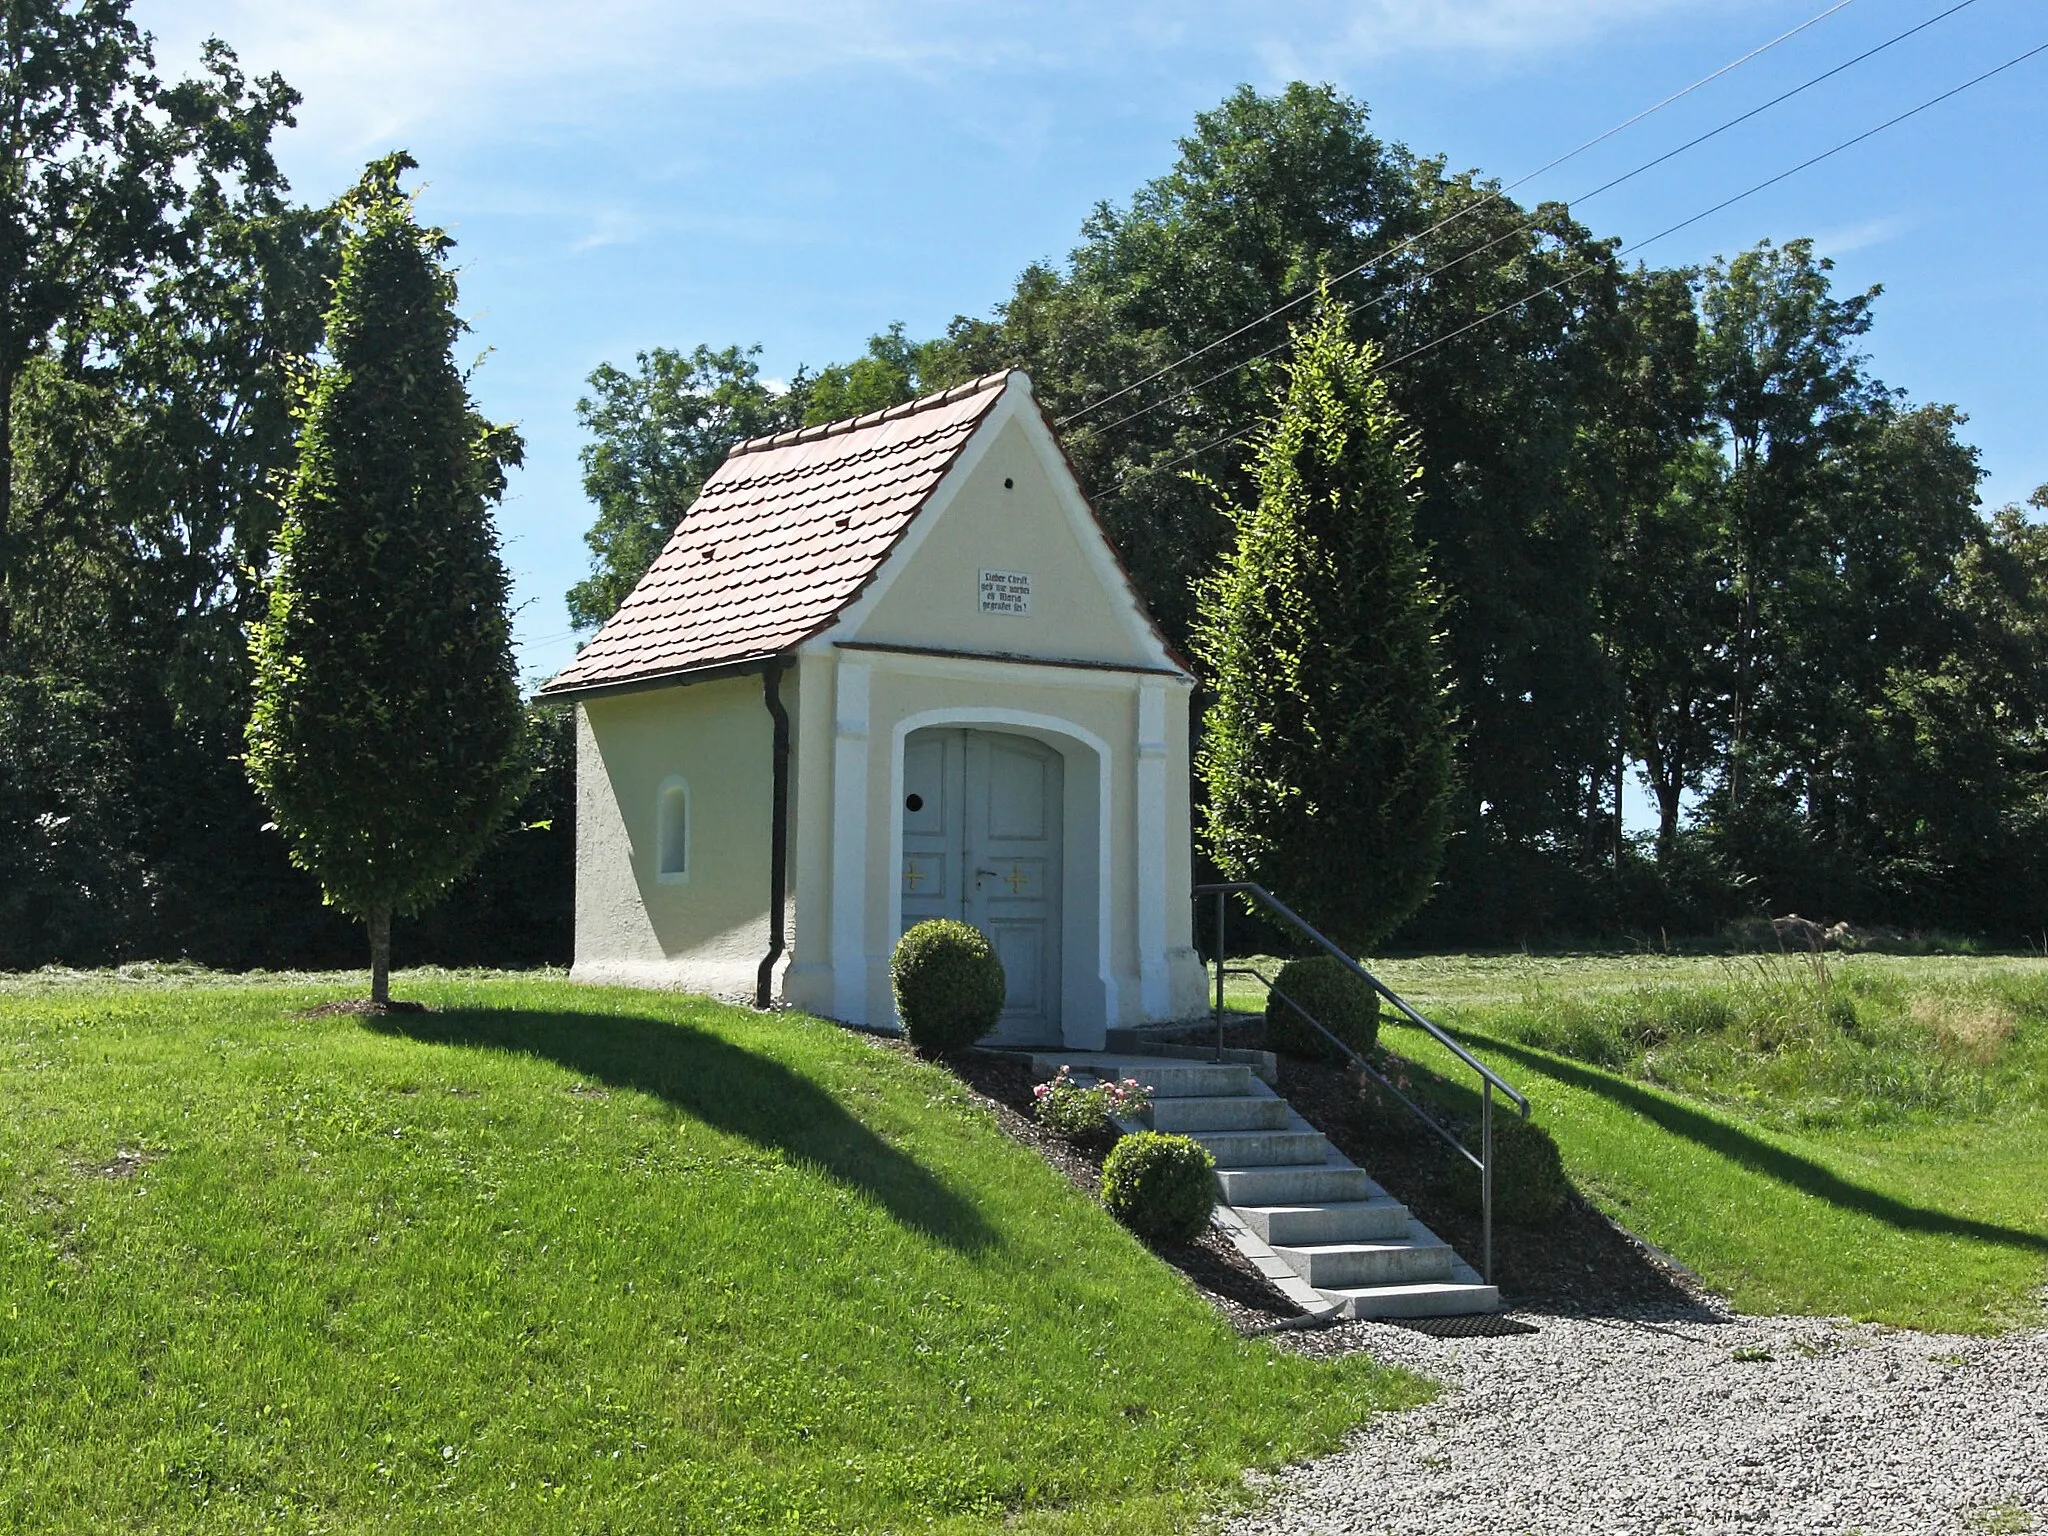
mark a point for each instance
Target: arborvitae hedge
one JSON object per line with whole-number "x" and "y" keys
{"x": 1327, "y": 753}
{"x": 386, "y": 735}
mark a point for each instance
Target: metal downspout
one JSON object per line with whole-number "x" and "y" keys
{"x": 778, "y": 839}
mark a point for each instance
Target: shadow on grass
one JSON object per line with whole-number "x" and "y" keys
{"x": 1754, "y": 1153}
{"x": 716, "y": 1082}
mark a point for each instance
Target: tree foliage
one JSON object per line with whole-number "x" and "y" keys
{"x": 1684, "y": 536}
{"x": 153, "y": 279}
{"x": 157, "y": 280}
{"x": 386, "y": 734}
{"x": 894, "y": 369}
{"x": 1327, "y": 749}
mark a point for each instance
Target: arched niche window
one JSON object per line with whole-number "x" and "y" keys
{"x": 672, "y": 831}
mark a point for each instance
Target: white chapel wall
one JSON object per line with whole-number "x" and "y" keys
{"x": 808, "y": 981}
{"x": 707, "y": 930}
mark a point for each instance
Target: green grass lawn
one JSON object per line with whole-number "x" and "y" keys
{"x": 555, "y": 1259}
{"x": 1864, "y": 1135}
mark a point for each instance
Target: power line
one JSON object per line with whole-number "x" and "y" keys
{"x": 1551, "y": 165}
{"x": 1500, "y": 238}
{"x": 1471, "y": 208}
{"x": 1584, "y": 269}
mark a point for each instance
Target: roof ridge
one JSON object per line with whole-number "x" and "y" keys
{"x": 874, "y": 418}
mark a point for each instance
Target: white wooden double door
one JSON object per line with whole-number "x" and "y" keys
{"x": 981, "y": 842}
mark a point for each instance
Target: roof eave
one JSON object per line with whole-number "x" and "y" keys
{"x": 680, "y": 677}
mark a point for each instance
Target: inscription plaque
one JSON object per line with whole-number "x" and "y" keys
{"x": 1006, "y": 592}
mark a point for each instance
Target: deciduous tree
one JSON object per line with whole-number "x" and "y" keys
{"x": 154, "y": 278}
{"x": 1505, "y": 310}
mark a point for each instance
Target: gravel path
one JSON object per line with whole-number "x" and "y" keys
{"x": 1694, "y": 1426}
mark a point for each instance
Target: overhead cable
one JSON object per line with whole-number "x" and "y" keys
{"x": 1551, "y": 165}
{"x": 1588, "y": 267}
{"x": 1520, "y": 229}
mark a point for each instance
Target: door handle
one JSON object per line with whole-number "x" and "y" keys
{"x": 993, "y": 874}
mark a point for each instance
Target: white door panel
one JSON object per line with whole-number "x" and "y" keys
{"x": 981, "y": 842}
{"x": 1017, "y": 789}
{"x": 931, "y": 826}
{"x": 1021, "y": 948}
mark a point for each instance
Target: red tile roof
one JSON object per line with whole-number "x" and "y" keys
{"x": 783, "y": 536}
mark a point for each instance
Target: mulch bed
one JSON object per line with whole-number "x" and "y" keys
{"x": 1211, "y": 1263}
{"x": 1579, "y": 1263}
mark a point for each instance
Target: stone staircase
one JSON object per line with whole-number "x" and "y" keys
{"x": 1312, "y": 1221}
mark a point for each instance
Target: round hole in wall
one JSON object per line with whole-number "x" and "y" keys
{"x": 1009, "y": 484}
{"x": 913, "y": 803}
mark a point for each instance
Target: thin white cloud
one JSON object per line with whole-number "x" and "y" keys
{"x": 380, "y": 72}
{"x": 1382, "y": 27}
{"x": 376, "y": 71}
{"x": 610, "y": 227}
{"x": 1327, "y": 40}
{"x": 1861, "y": 235}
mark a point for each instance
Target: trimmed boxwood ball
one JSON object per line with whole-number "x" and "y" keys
{"x": 1160, "y": 1186}
{"x": 1529, "y": 1183}
{"x": 948, "y": 983}
{"x": 1341, "y": 1003}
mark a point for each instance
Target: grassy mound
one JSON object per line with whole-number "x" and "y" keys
{"x": 554, "y": 1259}
{"x": 1863, "y": 1136}
{"x": 1812, "y": 1043}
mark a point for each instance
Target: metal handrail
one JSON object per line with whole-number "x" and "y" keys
{"x": 1359, "y": 1061}
{"x": 1489, "y": 1079}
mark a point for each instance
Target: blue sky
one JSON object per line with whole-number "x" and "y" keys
{"x": 622, "y": 174}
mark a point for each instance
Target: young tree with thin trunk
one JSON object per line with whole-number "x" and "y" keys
{"x": 1328, "y": 752}
{"x": 386, "y": 735}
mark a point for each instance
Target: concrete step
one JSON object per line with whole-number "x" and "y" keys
{"x": 1430, "y": 1299}
{"x": 1314, "y": 1223}
{"x": 1166, "y": 1079}
{"x": 1341, "y": 1221}
{"x": 1132, "y": 1042}
{"x": 1336, "y": 1266}
{"x": 1190, "y": 1116}
{"x": 1263, "y": 1149}
{"x": 1296, "y": 1184}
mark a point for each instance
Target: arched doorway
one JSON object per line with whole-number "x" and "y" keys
{"x": 983, "y": 827}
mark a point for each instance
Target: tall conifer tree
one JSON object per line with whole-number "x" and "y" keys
{"x": 1328, "y": 754}
{"x": 386, "y": 736}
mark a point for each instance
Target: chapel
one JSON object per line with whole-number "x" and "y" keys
{"x": 888, "y": 669}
